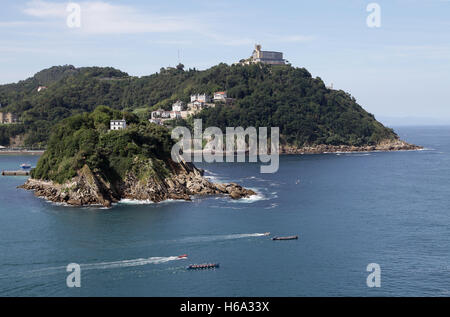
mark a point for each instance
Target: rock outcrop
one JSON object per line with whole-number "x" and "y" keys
{"x": 387, "y": 145}
{"x": 88, "y": 188}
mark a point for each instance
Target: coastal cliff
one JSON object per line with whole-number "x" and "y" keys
{"x": 384, "y": 146}
{"x": 88, "y": 164}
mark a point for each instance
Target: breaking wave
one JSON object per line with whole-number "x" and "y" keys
{"x": 148, "y": 202}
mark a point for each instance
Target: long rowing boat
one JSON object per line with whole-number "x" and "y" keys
{"x": 285, "y": 238}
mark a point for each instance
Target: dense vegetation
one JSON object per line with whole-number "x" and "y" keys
{"x": 85, "y": 139}
{"x": 306, "y": 111}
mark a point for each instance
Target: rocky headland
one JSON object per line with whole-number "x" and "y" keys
{"x": 384, "y": 146}
{"x": 88, "y": 188}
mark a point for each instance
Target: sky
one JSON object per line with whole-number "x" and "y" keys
{"x": 398, "y": 70}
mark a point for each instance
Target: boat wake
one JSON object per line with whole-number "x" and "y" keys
{"x": 129, "y": 263}
{"x": 108, "y": 265}
{"x": 220, "y": 237}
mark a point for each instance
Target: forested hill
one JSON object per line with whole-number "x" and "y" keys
{"x": 306, "y": 111}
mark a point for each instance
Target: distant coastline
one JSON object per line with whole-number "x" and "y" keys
{"x": 21, "y": 152}
{"x": 386, "y": 146}
{"x": 396, "y": 145}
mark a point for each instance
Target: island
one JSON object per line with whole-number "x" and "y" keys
{"x": 313, "y": 117}
{"x": 88, "y": 163}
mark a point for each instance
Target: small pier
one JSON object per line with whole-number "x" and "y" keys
{"x": 16, "y": 173}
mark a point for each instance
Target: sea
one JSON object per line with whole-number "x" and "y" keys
{"x": 352, "y": 212}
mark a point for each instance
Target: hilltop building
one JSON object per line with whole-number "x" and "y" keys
{"x": 118, "y": 124}
{"x": 267, "y": 57}
{"x": 264, "y": 57}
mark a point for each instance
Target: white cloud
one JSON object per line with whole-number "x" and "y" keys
{"x": 99, "y": 17}
{"x": 43, "y": 9}
{"x": 13, "y": 24}
{"x": 421, "y": 51}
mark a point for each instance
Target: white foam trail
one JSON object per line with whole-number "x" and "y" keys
{"x": 112, "y": 265}
{"x": 221, "y": 237}
{"x": 129, "y": 263}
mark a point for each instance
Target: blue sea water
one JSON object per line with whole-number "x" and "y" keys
{"x": 349, "y": 210}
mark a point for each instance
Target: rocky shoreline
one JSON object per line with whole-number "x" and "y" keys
{"x": 385, "y": 146}
{"x": 88, "y": 188}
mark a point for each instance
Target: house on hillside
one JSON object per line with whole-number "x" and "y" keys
{"x": 196, "y": 106}
{"x": 178, "y": 106}
{"x": 175, "y": 114}
{"x": 40, "y": 88}
{"x": 8, "y": 118}
{"x": 220, "y": 96}
{"x": 156, "y": 121}
{"x": 160, "y": 114}
{"x": 118, "y": 124}
{"x": 201, "y": 97}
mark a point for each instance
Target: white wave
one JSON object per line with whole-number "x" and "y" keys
{"x": 209, "y": 172}
{"x": 62, "y": 204}
{"x": 254, "y": 198}
{"x": 169, "y": 201}
{"x": 135, "y": 202}
{"x": 147, "y": 202}
{"x": 215, "y": 179}
{"x": 259, "y": 179}
{"x": 357, "y": 154}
